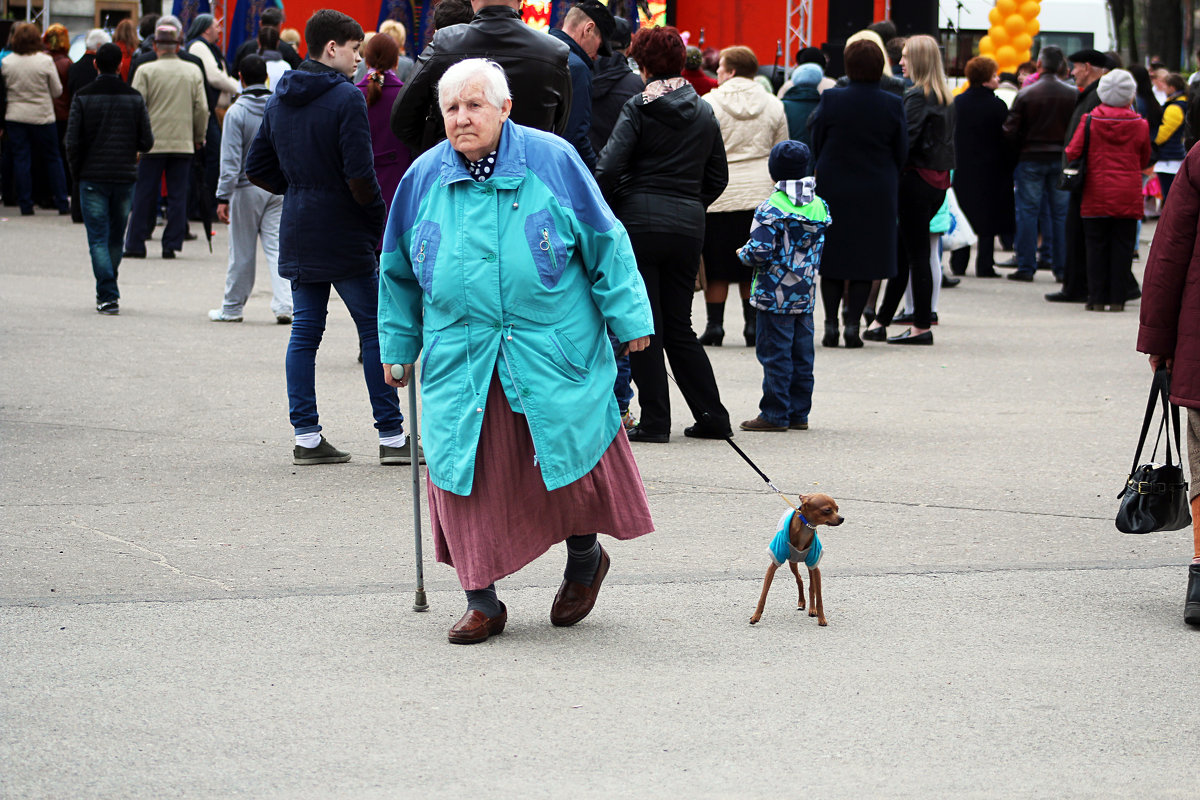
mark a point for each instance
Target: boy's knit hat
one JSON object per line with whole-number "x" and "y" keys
{"x": 789, "y": 161}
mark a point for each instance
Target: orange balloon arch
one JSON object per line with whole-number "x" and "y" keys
{"x": 1010, "y": 39}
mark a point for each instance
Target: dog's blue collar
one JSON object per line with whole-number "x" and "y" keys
{"x": 802, "y": 519}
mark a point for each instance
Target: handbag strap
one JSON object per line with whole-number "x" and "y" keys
{"x": 1158, "y": 387}
{"x": 1087, "y": 134}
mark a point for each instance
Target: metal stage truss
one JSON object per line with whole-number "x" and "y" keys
{"x": 799, "y": 29}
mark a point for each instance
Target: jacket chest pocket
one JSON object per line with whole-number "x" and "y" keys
{"x": 426, "y": 240}
{"x": 549, "y": 252}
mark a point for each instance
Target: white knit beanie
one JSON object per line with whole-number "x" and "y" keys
{"x": 1117, "y": 88}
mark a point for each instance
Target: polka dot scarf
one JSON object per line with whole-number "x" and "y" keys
{"x": 481, "y": 170}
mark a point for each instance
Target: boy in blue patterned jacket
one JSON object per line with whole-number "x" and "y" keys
{"x": 785, "y": 246}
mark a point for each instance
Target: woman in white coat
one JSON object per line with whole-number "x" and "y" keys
{"x": 752, "y": 122}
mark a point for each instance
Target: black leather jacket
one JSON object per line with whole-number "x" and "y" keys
{"x": 930, "y": 131}
{"x": 1038, "y": 120}
{"x": 535, "y": 62}
{"x": 664, "y": 164}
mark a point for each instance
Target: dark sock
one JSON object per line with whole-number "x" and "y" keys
{"x": 583, "y": 559}
{"x": 484, "y": 600}
{"x": 716, "y": 313}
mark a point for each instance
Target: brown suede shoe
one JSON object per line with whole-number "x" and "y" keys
{"x": 574, "y": 601}
{"x": 760, "y": 424}
{"x": 476, "y": 627}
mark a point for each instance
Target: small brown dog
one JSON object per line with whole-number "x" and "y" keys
{"x": 795, "y": 541}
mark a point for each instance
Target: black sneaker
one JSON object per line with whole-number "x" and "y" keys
{"x": 108, "y": 308}
{"x": 324, "y": 453}
{"x": 399, "y": 456}
{"x": 638, "y": 434}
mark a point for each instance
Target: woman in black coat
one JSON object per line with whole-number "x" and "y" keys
{"x": 662, "y": 167}
{"x": 860, "y": 143}
{"x": 983, "y": 178}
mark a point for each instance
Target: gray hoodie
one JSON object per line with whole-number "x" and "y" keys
{"x": 240, "y": 127}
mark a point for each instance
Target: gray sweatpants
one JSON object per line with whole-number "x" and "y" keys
{"x": 254, "y": 214}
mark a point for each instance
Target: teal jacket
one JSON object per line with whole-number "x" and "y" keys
{"x": 518, "y": 275}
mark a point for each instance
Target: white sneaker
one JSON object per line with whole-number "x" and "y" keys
{"x": 217, "y": 315}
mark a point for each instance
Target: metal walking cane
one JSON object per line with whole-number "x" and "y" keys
{"x": 419, "y": 602}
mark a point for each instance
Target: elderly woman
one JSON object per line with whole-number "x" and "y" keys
{"x": 663, "y": 165}
{"x": 32, "y": 82}
{"x": 752, "y": 122}
{"x": 502, "y": 265}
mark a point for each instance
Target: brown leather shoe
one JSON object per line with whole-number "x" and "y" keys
{"x": 476, "y": 627}
{"x": 574, "y": 601}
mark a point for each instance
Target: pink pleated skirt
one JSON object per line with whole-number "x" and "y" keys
{"x": 510, "y": 518}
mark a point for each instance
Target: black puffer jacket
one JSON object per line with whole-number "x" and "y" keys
{"x": 613, "y": 84}
{"x": 535, "y": 63}
{"x": 664, "y": 163}
{"x": 930, "y": 131}
{"x": 106, "y": 130}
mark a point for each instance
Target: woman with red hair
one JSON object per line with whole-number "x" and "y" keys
{"x": 662, "y": 167}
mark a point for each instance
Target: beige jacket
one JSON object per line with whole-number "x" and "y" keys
{"x": 218, "y": 78}
{"x": 174, "y": 93}
{"x": 752, "y": 122}
{"x": 32, "y": 82}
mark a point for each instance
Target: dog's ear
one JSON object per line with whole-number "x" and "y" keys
{"x": 804, "y": 498}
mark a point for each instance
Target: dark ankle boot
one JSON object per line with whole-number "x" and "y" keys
{"x": 715, "y": 332}
{"x": 831, "y": 334}
{"x": 750, "y": 329}
{"x": 852, "y": 338}
{"x": 1191, "y": 606}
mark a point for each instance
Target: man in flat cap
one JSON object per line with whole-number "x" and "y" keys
{"x": 534, "y": 62}
{"x": 586, "y": 30}
{"x": 1088, "y": 66}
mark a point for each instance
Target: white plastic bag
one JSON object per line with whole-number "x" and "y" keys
{"x": 961, "y": 234}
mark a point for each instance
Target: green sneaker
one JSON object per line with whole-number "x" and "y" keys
{"x": 402, "y": 456}
{"x": 324, "y": 453}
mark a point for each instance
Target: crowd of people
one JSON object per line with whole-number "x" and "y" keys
{"x": 529, "y": 216}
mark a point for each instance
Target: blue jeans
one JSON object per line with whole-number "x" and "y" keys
{"x": 310, "y": 307}
{"x": 1035, "y": 180}
{"x": 1045, "y": 249}
{"x": 24, "y": 139}
{"x": 623, "y": 386}
{"x": 105, "y": 208}
{"x": 785, "y": 350}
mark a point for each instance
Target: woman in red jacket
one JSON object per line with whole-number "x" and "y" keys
{"x": 1170, "y": 329}
{"x": 1118, "y": 149}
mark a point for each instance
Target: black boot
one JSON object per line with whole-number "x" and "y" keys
{"x": 715, "y": 332}
{"x": 852, "y": 338}
{"x": 830, "y": 338}
{"x": 750, "y": 329}
{"x": 1191, "y": 607}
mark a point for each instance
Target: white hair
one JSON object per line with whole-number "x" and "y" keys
{"x": 95, "y": 38}
{"x": 170, "y": 19}
{"x": 488, "y": 74}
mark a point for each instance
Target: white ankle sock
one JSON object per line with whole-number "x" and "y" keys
{"x": 309, "y": 440}
{"x": 394, "y": 441}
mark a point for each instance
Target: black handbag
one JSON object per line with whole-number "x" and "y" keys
{"x": 1072, "y": 177}
{"x": 1155, "y": 497}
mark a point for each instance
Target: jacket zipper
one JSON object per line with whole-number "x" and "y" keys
{"x": 520, "y": 399}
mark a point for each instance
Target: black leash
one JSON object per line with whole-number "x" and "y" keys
{"x": 728, "y": 439}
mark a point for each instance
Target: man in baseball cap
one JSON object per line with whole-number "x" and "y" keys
{"x": 586, "y": 30}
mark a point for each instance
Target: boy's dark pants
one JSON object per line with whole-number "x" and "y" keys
{"x": 785, "y": 350}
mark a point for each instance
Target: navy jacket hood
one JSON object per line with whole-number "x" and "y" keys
{"x": 299, "y": 87}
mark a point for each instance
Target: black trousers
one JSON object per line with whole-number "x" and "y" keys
{"x": 1075, "y": 271}
{"x": 918, "y": 203}
{"x": 855, "y": 293}
{"x": 668, "y": 264}
{"x": 985, "y": 259}
{"x": 1110, "y": 244}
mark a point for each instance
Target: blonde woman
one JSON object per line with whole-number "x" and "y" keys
{"x": 929, "y": 109}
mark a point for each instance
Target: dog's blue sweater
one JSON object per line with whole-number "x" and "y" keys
{"x": 781, "y": 546}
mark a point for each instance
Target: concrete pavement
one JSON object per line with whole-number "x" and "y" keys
{"x": 183, "y": 613}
